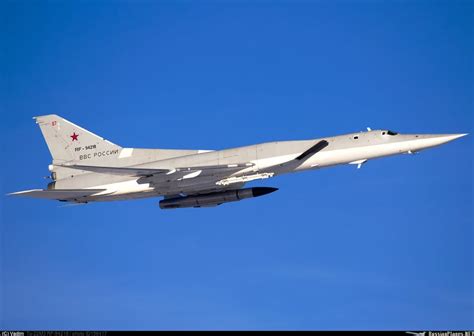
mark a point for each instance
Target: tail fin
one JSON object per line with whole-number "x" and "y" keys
{"x": 68, "y": 142}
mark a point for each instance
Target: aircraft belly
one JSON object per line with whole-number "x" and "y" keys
{"x": 198, "y": 186}
{"x": 121, "y": 197}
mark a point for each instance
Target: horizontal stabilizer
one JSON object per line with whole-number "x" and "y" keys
{"x": 58, "y": 194}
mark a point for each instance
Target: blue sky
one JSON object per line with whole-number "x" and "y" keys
{"x": 388, "y": 246}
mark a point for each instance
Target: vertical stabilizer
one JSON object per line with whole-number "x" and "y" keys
{"x": 68, "y": 142}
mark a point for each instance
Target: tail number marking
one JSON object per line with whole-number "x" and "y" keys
{"x": 78, "y": 149}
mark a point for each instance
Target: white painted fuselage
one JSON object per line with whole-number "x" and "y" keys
{"x": 267, "y": 160}
{"x": 88, "y": 168}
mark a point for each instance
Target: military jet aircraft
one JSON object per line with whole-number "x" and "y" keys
{"x": 88, "y": 168}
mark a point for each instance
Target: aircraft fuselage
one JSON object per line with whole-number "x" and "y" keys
{"x": 268, "y": 160}
{"x": 88, "y": 168}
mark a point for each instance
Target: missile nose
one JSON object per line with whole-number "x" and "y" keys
{"x": 260, "y": 191}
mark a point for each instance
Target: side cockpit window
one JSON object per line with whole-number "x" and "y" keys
{"x": 391, "y": 133}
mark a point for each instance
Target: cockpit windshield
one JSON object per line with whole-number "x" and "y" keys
{"x": 391, "y": 132}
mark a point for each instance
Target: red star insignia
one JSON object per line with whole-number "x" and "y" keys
{"x": 74, "y": 136}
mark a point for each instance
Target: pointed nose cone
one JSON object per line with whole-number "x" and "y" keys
{"x": 432, "y": 140}
{"x": 455, "y": 136}
{"x": 444, "y": 138}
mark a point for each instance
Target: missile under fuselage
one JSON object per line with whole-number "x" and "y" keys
{"x": 215, "y": 198}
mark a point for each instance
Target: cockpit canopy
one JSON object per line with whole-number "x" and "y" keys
{"x": 389, "y": 132}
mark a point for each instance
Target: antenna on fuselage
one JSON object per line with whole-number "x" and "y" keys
{"x": 369, "y": 129}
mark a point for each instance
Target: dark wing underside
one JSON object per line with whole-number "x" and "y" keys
{"x": 60, "y": 194}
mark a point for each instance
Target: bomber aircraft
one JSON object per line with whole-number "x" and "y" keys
{"x": 87, "y": 168}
